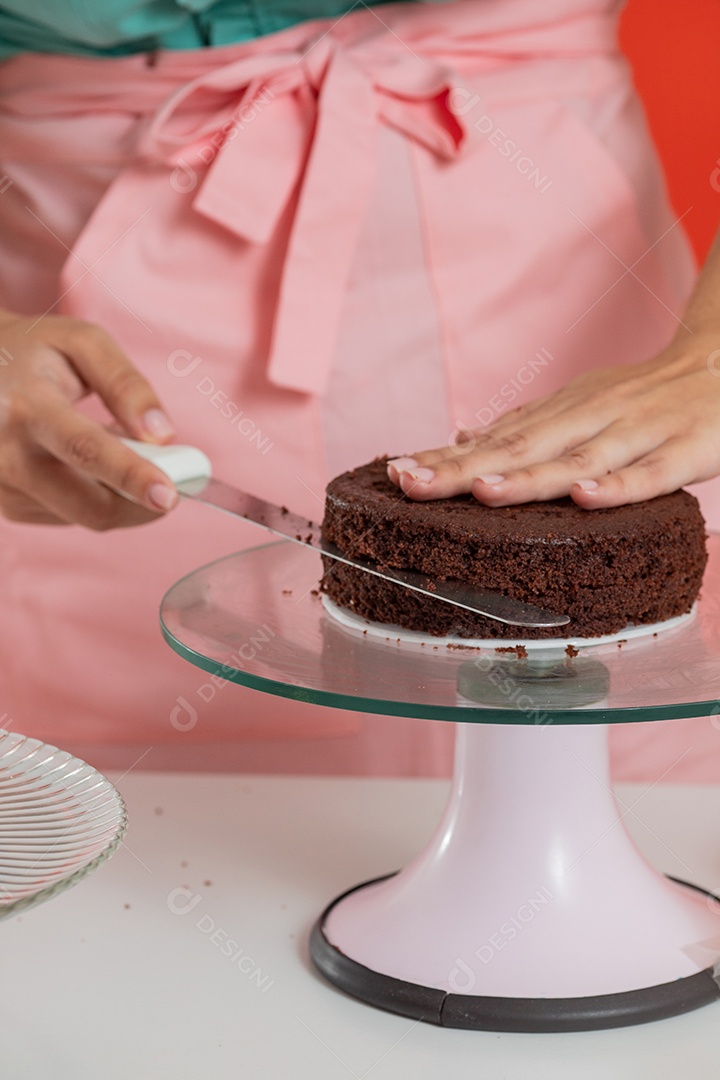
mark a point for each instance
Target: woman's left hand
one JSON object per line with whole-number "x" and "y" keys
{"x": 613, "y": 436}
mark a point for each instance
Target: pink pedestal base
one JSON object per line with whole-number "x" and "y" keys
{"x": 531, "y": 886}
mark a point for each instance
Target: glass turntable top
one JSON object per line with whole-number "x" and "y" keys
{"x": 257, "y": 618}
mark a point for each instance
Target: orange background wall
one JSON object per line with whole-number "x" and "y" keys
{"x": 674, "y": 47}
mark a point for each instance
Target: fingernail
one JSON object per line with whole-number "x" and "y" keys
{"x": 402, "y": 463}
{"x": 422, "y": 476}
{"x": 586, "y": 485}
{"x": 157, "y": 424}
{"x": 162, "y": 496}
{"x": 492, "y": 479}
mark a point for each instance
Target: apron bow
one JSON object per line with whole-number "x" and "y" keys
{"x": 295, "y": 132}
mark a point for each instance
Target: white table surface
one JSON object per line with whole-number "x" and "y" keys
{"x": 105, "y": 982}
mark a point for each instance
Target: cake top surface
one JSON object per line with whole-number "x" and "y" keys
{"x": 369, "y": 489}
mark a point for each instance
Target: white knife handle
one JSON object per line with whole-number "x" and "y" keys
{"x": 179, "y": 463}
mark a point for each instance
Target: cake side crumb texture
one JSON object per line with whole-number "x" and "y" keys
{"x": 604, "y": 568}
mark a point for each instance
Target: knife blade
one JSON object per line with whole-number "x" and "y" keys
{"x": 191, "y": 472}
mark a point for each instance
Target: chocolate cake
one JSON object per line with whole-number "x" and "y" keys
{"x": 604, "y": 568}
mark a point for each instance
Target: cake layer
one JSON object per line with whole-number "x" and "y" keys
{"x": 604, "y": 568}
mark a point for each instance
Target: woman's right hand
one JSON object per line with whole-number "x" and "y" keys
{"x": 57, "y": 467}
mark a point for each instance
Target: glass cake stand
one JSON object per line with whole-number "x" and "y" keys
{"x": 530, "y": 909}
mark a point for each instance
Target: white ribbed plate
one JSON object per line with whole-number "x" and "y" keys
{"x": 59, "y": 820}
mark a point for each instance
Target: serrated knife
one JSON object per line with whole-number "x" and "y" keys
{"x": 191, "y": 472}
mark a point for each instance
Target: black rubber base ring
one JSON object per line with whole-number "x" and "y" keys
{"x": 507, "y": 1013}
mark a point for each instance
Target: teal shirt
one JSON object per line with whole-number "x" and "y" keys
{"x": 119, "y": 27}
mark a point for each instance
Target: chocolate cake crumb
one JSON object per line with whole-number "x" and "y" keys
{"x": 314, "y": 592}
{"x": 287, "y": 592}
{"x": 571, "y": 650}
{"x": 284, "y": 510}
{"x": 519, "y": 650}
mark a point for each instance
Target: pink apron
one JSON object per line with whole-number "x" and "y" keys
{"x": 344, "y": 239}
